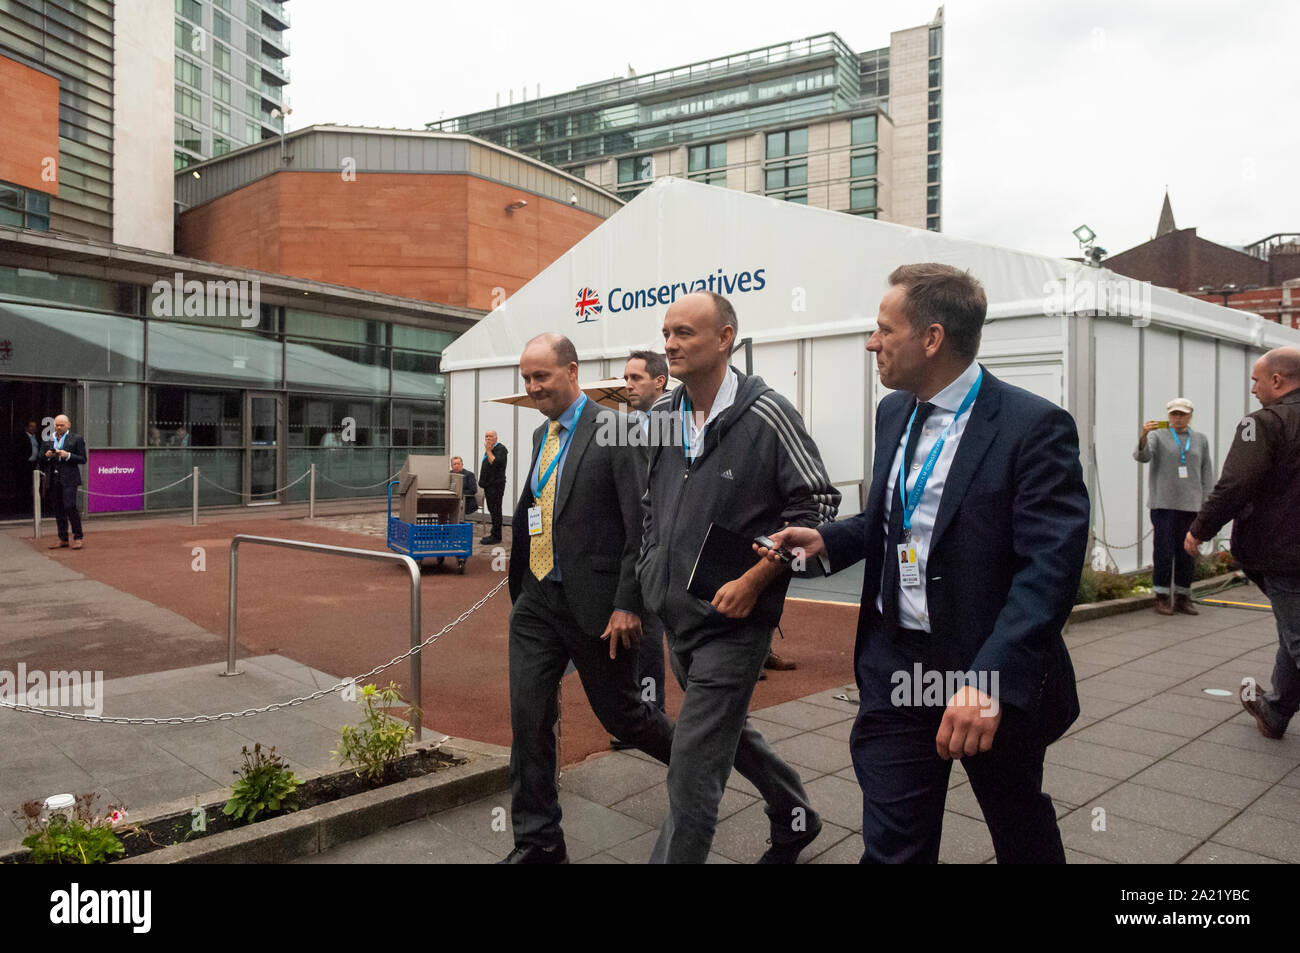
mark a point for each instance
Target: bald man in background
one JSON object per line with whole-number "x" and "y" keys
{"x": 61, "y": 458}
{"x": 1260, "y": 491}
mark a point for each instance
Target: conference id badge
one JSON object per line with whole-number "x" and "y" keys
{"x": 909, "y": 571}
{"x": 1182, "y": 473}
{"x": 534, "y": 521}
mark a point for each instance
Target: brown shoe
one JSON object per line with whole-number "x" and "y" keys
{"x": 1184, "y": 605}
{"x": 76, "y": 544}
{"x": 778, "y": 664}
{"x": 1253, "y": 706}
{"x": 58, "y": 545}
{"x": 1162, "y": 605}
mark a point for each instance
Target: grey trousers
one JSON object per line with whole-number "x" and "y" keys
{"x": 544, "y": 636}
{"x": 1283, "y": 700}
{"x": 712, "y": 733}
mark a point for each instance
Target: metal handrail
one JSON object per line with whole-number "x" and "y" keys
{"x": 414, "y": 712}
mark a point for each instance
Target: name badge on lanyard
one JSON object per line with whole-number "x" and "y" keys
{"x": 909, "y": 569}
{"x": 534, "y": 521}
{"x": 1182, "y": 453}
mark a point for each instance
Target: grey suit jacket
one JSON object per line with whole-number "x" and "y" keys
{"x": 597, "y": 520}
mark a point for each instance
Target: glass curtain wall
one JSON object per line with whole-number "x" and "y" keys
{"x": 170, "y": 381}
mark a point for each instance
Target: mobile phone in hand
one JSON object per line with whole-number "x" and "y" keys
{"x": 768, "y": 543}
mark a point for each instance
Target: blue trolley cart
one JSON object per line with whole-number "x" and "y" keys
{"x": 422, "y": 541}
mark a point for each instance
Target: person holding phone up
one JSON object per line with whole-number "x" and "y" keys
{"x": 1182, "y": 476}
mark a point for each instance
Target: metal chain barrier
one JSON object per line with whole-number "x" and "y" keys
{"x": 349, "y": 486}
{"x": 159, "y": 489}
{"x": 281, "y": 489}
{"x": 274, "y": 706}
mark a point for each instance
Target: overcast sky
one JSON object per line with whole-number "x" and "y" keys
{"x": 1055, "y": 114}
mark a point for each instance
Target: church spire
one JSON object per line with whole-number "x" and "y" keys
{"x": 1166, "y": 217}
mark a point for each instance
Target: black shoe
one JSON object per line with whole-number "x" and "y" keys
{"x": 1256, "y": 710}
{"x": 787, "y": 852}
{"x": 537, "y": 854}
{"x": 616, "y": 745}
{"x": 490, "y": 539}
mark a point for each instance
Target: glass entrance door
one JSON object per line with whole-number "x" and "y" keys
{"x": 263, "y": 469}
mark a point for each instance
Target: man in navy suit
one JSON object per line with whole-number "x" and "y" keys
{"x": 971, "y": 571}
{"x": 62, "y": 458}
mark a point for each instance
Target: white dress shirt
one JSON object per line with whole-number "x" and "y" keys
{"x": 912, "y": 609}
{"x": 726, "y": 397}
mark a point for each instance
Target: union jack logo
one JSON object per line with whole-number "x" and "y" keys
{"x": 7, "y": 348}
{"x": 587, "y": 304}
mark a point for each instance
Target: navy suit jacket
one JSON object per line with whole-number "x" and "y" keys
{"x": 1006, "y": 552}
{"x": 68, "y": 472}
{"x": 597, "y": 520}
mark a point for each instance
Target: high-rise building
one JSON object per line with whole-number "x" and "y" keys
{"x": 230, "y": 75}
{"x": 807, "y": 121}
{"x": 103, "y": 100}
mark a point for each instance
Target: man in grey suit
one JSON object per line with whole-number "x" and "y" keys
{"x": 577, "y": 532}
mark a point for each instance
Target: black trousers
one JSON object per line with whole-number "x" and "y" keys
{"x": 544, "y": 636}
{"x": 64, "y": 501}
{"x": 905, "y": 783}
{"x": 1170, "y": 529}
{"x": 492, "y": 497}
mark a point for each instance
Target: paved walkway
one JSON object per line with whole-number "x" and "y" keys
{"x": 49, "y": 611}
{"x": 1154, "y": 771}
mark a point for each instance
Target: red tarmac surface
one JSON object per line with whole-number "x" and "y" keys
{"x": 344, "y": 616}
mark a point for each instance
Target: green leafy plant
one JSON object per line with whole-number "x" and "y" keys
{"x": 83, "y": 838}
{"x": 265, "y": 784}
{"x": 377, "y": 744}
{"x": 1216, "y": 564}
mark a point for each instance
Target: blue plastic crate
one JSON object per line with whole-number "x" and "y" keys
{"x": 444, "y": 539}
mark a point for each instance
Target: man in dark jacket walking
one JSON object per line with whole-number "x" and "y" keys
{"x": 737, "y": 455}
{"x": 1260, "y": 491}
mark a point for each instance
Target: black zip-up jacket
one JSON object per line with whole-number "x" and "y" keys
{"x": 1260, "y": 490}
{"x": 757, "y": 472}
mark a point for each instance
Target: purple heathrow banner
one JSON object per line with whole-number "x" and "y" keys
{"x": 119, "y": 472}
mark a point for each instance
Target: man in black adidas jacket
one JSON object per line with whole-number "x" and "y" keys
{"x": 736, "y": 454}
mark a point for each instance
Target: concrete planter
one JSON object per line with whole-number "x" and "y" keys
{"x": 1099, "y": 610}
{"x": 281, "y": 839}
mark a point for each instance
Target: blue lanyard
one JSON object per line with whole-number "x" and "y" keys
{"x": 544, "y": 478}
{"x": 1182, "y": 451}
{"x": 910, "y": 500}
{"x": 686, "y": 444}
{"x": 58, "y": 441}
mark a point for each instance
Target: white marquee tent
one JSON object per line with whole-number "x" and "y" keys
{"x": 805, "y": 283}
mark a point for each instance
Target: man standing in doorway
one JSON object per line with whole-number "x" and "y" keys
{"x": 1260, "y": 491}
{"x": 492, "y": 478}
{"x": 62, "y": 458}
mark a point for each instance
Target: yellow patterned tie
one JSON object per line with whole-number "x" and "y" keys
{"x": 541, "y": 552}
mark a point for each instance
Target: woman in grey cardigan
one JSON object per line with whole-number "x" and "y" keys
{"x": 1182, "y": 476}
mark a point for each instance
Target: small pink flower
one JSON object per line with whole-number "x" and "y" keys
{"x": 115, "y": 816}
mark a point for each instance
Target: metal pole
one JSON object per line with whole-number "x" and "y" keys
{"x": 232, "y": 608}
{"x": 194, "y": 505}
{"x": 36, "y": 504}
{"x": 311, "y": 497}
{"x": 417, "y": 669}
{"x": 412, "y": 567}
